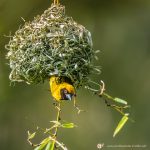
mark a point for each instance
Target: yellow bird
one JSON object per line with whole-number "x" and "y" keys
{"x": 61, "y": 88}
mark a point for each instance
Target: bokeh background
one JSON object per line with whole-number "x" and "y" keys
{"x": 121, "y": 30}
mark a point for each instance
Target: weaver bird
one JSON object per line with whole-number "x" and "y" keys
{"x": 61, "y": 88}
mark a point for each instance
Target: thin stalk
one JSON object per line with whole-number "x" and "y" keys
{"x": 103, "y": 94}
{"x": 56, "y": 128}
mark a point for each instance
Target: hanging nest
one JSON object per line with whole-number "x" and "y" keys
{"x": 52, "y": 44}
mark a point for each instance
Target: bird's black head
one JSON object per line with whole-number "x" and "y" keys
{"x": 65, "y": 95}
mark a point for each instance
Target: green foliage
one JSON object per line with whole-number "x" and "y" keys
{"x": 50, "y": 142}
{"x": 31, "y": 136}
{"x": 119, "y": 100}
{"x": 121, "y": 124}
{"x": 113, "y": 104}
{"x": 68, "y": 125}
{"x": 43, "y": 144}
{"x": 50, "y": 146}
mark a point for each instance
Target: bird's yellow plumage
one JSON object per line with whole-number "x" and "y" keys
{"x": 61, "y": 90}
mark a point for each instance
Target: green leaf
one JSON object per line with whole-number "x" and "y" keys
{"x": 68, "y": 125}
{"x": 37, "y": 148}
{"x": 46, "y": 140}
{"x": 50, "y": 145}
{"x": 120, "y": 125}
{"x": 119, "y": 100}
{"x": 31, "y": 136}
{"x": 43, "y": 144}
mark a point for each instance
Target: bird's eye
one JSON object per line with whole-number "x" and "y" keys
{"x": 65, "y": 91}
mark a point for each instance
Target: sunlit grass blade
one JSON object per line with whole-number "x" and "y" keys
{"x": 68, "y": 125}
{"x": 31, "y": 136}
{"x": 120, "y": 125}
{"x": 36, "y": 148}
{"x": 50, "y": 145}
{"x": 119, "y": 100}
{"x": 43, "y": 144}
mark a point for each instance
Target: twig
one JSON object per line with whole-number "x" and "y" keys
{"x": 101, "y": 92}
{"x": 32, "y": 144}
{"x": 58, "y": 107}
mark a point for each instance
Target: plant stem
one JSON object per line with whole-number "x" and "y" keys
{"x": 104, "y": 95}
{"x": 57, "y": 119}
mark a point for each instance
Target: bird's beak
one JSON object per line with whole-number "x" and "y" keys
{"x": 69, "y": 96}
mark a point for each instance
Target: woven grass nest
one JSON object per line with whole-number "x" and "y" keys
{"x": 52, "y": 44}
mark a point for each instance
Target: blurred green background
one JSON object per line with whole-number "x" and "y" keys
{"x": 121, "y": 30}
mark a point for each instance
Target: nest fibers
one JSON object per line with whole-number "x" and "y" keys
{"x": 52, "y": 44}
